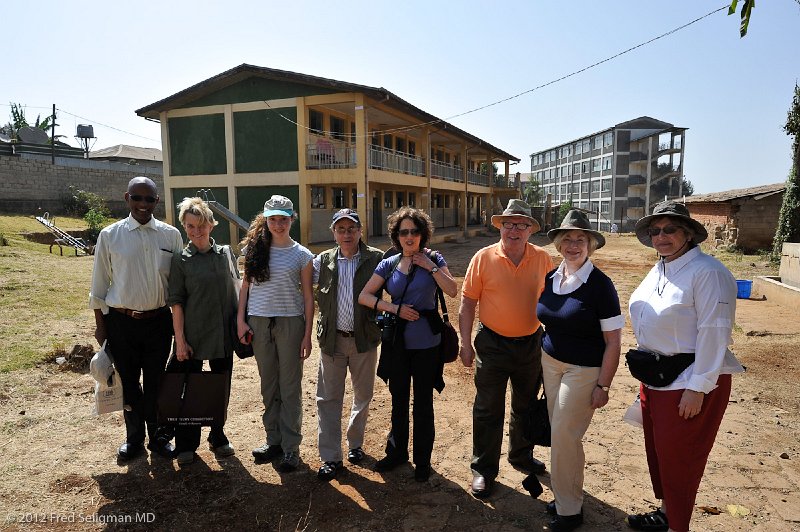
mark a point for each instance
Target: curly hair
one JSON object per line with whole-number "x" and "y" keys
{"x": 256, "y": 245}
{"x": 421, "y": 220}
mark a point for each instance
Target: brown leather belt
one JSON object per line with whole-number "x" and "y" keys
{"x": 346, "y": 334}
{"x": 139, "y": 314}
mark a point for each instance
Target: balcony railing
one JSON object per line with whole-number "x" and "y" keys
{"x": 447, "y": 171}
{"x": 502, "y": 181}
{"x": 474, "y": 178}
{"x": 325, "y": 153}
{"x": 394, "y": 161}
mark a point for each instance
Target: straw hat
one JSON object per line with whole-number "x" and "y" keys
{"x": 516, "y": 207}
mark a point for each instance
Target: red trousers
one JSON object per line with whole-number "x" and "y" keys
{"x": 677, "y": 448}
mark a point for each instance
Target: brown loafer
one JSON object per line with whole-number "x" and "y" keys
{"x": 481, "y": 486}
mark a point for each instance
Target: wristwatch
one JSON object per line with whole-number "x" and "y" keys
{"x": 604, "y": 388}
{"x": 434, "y": 270}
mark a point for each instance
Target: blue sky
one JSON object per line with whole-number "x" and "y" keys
{"x": 103, "y": 60}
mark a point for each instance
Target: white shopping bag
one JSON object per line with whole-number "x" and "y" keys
{"x": 100, "y": 367}
{"x": 108, "y": 395}
{"x": 633, "y": 415}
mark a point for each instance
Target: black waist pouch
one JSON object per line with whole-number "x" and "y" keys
{"x": 655, "y": 369}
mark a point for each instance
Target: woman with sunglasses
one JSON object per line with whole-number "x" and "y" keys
{"x": 411, "y": 278}
{"x": 203, "y": 300}
{"x": 276, "y": 304}
{"x": 684, "y": 308}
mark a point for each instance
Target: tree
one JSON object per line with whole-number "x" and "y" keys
{"x": 532, "y": 192}
{"x": 747, "y": 8}
{"x": 688, "y": 187}
{"x": 19, "y": 120}
{"x": 789, "y": 217}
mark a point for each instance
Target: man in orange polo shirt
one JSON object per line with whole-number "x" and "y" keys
{"x": 505, "y": 280}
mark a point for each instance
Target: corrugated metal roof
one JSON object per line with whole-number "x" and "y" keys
{"x": 123, "y": 151}
{"x": 728, "y": 195}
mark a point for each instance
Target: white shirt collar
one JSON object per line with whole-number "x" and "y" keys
{"x": 133, "y": 224}
{"x": 574, "y": 281}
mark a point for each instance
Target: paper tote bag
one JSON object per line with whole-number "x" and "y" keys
{"x": 193, "y": 399}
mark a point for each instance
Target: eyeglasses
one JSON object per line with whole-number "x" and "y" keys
{"x": 138, "y": 197}
{"x": 353, "y": 229}
{"x": 406, "y": 232}
{"x": 518, "y": 226}
{"x": 667, "y": 230}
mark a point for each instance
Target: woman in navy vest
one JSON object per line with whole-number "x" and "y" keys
{"x": 580, "y": 354}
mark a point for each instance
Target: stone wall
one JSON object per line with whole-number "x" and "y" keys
{"x": 32, "y": 185}
{"x": 757, "y": 221}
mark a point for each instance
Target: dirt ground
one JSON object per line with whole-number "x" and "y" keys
{"x": 58, "y": 469}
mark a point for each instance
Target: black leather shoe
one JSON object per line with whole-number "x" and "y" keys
{"x": 329, "y": 470}
{"x": 481, "y": 486}
{"x": 267, "y": 453}
{"x": 162, "y": 448}
{"x": 387, "y": 463}
{"x": 422, "y": 473}
{"x": 529, "y": 465}
{"x": 565, "y": 523}
{"x": 129, "y": 451}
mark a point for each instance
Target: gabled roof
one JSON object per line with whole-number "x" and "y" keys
{"x": 123, "y": 151}
{"x": 245, "y": 71}
{"x": 756, "y": 193}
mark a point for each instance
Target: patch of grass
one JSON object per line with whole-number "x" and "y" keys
{"x": 744, "y": 265}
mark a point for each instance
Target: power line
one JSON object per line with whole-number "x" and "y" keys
{"x": 543, "y": 85}
{"x": 105, "y": 125}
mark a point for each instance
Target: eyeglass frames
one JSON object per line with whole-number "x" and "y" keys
{"x": 353, "y": 229}
{"x": 406, "y": 232}
{"x": 518, "y": 226}
{"x": 139, "y": 197}
{"x": 667, "y": 230}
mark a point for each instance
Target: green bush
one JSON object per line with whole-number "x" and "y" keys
{"x": 96, "y": 220}
{"x": 79, "y": 202}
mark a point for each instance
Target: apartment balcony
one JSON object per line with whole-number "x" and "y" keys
{"x": 325, "y": 153}
{"x": 635, "y": 201}
{"x": 475, "y": 178}
{"x": 502, "y": 181}
{"x": 447, "y": 171}
{"x": 636, "y": 180}
{"x": 395, "y": 161}
{"x": 636, "y": 156}
{"x": 667, "y": 148}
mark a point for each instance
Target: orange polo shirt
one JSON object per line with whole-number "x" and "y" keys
{"x": 507, "y": 294}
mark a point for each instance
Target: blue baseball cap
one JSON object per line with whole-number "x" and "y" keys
{"x": 278, "y": 206}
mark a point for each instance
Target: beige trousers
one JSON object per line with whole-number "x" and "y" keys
{"x": 569, "y": 397}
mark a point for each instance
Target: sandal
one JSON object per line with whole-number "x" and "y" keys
{"x": 329, "y": 470}
{"x": 654, "y": 521}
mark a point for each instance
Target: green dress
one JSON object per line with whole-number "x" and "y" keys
{"x": 203, "y": 285}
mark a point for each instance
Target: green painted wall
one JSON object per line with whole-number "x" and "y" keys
{"x": 265, "y": 140}
{"x": 251, "y": 202}
{"x": 254, "y": 89}
{"x": 197, "y": 145}
{"x": 221, "y": 233}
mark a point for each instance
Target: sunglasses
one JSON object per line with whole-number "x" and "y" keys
{"x": 667, "y": 230}
{"x": 138, "y": 197}
{"x": 406, "y": 232}
{"x": 519, "y": 226}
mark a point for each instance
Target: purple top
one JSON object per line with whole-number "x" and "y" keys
{"x": 421, "y": 294}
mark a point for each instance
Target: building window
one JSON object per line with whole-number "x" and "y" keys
{"x": 586, "y": 147}
{"x": 607, "y": 163}
{"x": 596, "y": 165}
{"x": 317, "y": 197}
{"x": 387, "y": 199}
{"x": 400, "y": 199}
{"x": 412, "y": 147}
{"x": 608, "y": 139}
{"x": 337, "y": 127}
{"x": 576, "y": 168}
{"x": 575, "y": 187}
{"x": 604, "y": 207}
{"x": 447, "y": 201}
{"x": 598, "y": 142}
{"x": 400, "y": 144}
{"x": 339, "y": 198}
{"x": 584, "y": 167}
{"x": 412, "y": 199}
{"x": 577, "y": 148}
{"x": 547, "y": 157}
{"x": 605, "y": 185}
{"x": 315, "y": 119}
{"x": 387, "y": 141}
{"x": 584, "y": 188}
{"x": 595, "y": 186}
{"x": 354, "y": 199}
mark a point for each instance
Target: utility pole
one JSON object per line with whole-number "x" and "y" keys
{"x": 53, "y": 137}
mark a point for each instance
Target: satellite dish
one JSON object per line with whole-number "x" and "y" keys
{"x": 33, "y": 135}
{"x": 4, "y": 138}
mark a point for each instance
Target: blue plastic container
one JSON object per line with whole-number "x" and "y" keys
{"x": 743, "y": 288}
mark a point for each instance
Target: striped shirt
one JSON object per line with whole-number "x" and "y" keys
{"x": 346, "y": 268}
{"x": 281, "y": 294}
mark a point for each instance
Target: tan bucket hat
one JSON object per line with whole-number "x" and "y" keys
{"x": 516, "y": 207}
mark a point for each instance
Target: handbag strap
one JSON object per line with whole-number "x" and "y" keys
{"x": 231, "y": 262}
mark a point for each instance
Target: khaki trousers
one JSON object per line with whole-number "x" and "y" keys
{"x": 569, "y": 398}
{"x": 330, "y": 396}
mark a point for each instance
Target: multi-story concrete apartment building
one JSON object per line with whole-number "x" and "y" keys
{"x": 616, "y": 174}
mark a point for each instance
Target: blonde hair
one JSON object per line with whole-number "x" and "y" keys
{"x": 592, "y": 240}
{"x": 198, "y": 207}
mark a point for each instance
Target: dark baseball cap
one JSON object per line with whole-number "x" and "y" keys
{"x": 346, "y": 213}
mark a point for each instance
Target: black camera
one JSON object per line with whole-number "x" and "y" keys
{"x": 384, "y": 319}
